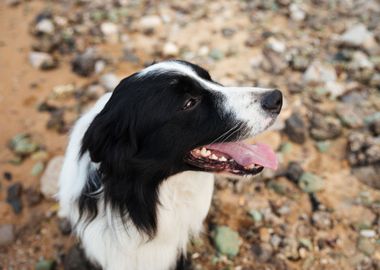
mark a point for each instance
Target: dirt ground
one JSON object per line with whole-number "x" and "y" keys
{"x": 281, "y": 225}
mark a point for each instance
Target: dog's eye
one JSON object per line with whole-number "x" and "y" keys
{"x": 190, "y": 103}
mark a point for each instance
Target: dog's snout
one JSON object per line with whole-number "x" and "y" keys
{"x": 272, "y": 101}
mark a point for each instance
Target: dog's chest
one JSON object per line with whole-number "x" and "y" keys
{"x": 185, "y": 200}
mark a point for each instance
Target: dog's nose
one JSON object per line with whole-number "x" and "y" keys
{"x": 272, "y": 101}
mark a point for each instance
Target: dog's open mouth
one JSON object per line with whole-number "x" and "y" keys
{"x": 233, "y": 157}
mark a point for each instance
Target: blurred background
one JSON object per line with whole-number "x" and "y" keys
{"x": 320, "y": 210}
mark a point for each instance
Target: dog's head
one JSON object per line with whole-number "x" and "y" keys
{"x": 168, "y": 118}
{"x": 172, "y": 117}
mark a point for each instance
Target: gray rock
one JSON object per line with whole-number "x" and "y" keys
{"x": 322, "y": 220}
{"x": 357, "y": 35}
{"x": 361, "y": 61}
{"x": 45, "y": 26}
{"x": 366, "y": 245}
{"x": 349, "y": 116}
{"x": 37, "y": 168}
{"x": 22, "y": 145}
{"x": 294, "y": 171}
{"x": 33, "y": 197}
{"x": 6, "y": 234}
{"x": 324, "y": 127}
{"x": 170, "y": 49}
{"x": 149, "y": 23}
{"x": 276, "y": 45}
{"x": 296, "y": 13}
{"x": 84, "y": 64}
{"x": 41, "y": 60}
{"x": 310, "y": 183}
{"x": 274, "y": 62}
{"x": 375, "y": 127}
{"x": 295, "y": 128}
{"x": 368, "y": 175}
{"x": 110, "y": 31}
{"x": 263, "y": 252}
{"x": 362, "y": 149}
{"x": 49, "y": 180}
{"x": 14, "y": 193}
{"x": 109, "y": 81}
{"x": 226, "y": 240}
{"x": 319, "y": 72}
{"x": 45, "y": 265}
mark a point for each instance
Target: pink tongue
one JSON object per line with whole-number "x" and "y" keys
{"x": 247, "y": 154}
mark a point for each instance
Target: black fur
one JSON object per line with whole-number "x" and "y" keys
{"x": 141, "y": 138}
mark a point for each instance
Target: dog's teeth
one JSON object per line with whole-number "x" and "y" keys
{"x": 205, "y": 152}
{"x": 222, "y": 158}
{"x": 197, "y": 152}
{"x": 250, "y": 166}
{"x": 214, "y": 157}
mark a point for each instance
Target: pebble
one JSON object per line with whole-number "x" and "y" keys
{"x": 274, "y": 62}
{"x": 366, "y": 245}
{"x": 84, "y": 64}
{"x": 37, "y": 168}
{"x": 375, "y": 127}
{"x": 295, "y": 128}
{"x": 49, "y": 180}
{"x": 368, "y": 175}
{"x": 14, "y": 193}
{"x": 319, "y": 72}
{"x": 361, "y": 61}
{"x": 276, "y": 45}
{"x": 56, "y": 121}
{"x": 33, "y": 196}
{"x": 349, "y": 116}
{"x": 256, "y": 216}
{"x": 226, "y": 240}
{"x": 109, "y": 81}
{"x": 310, "y": 182}
{"x": 263, "y": 252}
{"x": 362, "y": 149}
{"x": 149, "y": 23}
{"x": 357, "y": 35}
{"x": 42, "y": 60}
{"x": 63, "y": 91}
{"x": 110, "y": 31}
{"x": 45, "y": 26}
{"x": 64, "y": 226}
{"x": 22, "y": 145}
{"x": 8, "y": 176}
{"x": 321, "y": 220}
{"x": 294, "y": 171}
{"x": 324, "y": 127}
{"x": 368, "y": 233}
{"x": 45, "y": 265}
{"x": 7, "y": 236}
{"x": 170, "y": 49}
{"x": 296, "y": 13}
{"x": 323, "y": 146}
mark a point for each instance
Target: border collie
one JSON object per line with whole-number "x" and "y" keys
{"x": 137, "y": 178}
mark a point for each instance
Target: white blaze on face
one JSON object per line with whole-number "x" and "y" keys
{"x": 243, "y": 102}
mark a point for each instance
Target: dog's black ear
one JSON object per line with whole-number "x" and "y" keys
{"x": 110, "y": 137}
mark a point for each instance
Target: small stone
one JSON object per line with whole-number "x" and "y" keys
{"x": 321, "y": 220}
{"x": 256, "y": 216}
{"x": 22, "y": 145}
{"x": 310, "y": 183}
{"x": 45, "y": 26}
{"x": 149, "y": 23}
{"x": 335, "y": 89}
{"x": 358, "y": 35}
{"x": 8, "y": 176}
{"x": 319, "y": 72}
{"x": 170, "y": 50}
{"x": 216, "y": 54}
{"x": 294, "y": 171}
{"x": 372, "y": 118}
{"x": 49, "y": 180}
{"x": 323, "y": 146}
{"x": 33, "y": 197}
{"x": 263, "y": 252}
{"x": 63, "y": 91}
{"x": 300, "y": 62}
{"x": 366, "y": 245}
{"x": 349, "y": 116}
{"x": 84, "y": 64}
{"x": 275, "y": 45}
{"x": 296, "y": 13}
{"x": 45, "y": 265}
{"x": 368, "y": 175}
{"x": 14, "y": 197}
{"x": 295, "y": 128}
{"x": 324, "y": 127}
{"x": 286, "y": 148}
{"x": 368, "y": 233}
{"x": 56, "y": 121}
{"x": 360, "y": 61}
{"x": 37, "y": 169}
{"x": 277, "y": 187}
{"x": 274, "y": 62}
{"x": 109, "y": 81}
{"x": 362, "y": 150}
{"x": 64, "y": 226}
{"x": 375, "y": 127}
{"x": 6, "y": 234}
{"x": 227, "y": 241}
{"x": 110, "y": 31}
{"x": 228, "y": 32}
{"x": 41, "y": 60}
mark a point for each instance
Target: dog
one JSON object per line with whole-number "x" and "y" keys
{"x": 137, "y": 182}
